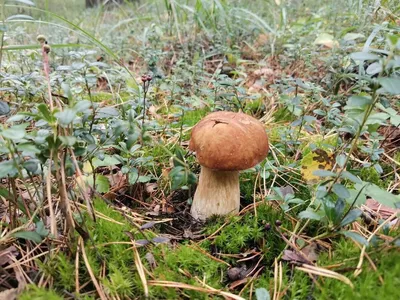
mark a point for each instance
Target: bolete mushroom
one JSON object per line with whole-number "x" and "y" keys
{"x": 225, "y": 143}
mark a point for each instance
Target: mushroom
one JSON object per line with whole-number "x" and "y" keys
{"x": 225, "y": 143}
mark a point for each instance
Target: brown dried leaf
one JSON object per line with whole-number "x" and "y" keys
{"x": 151, "y": 260}
{"x": 264, "y": 72}
{"x": 257, "y": 86}
{"x": 307, "y": 255}
{"x": 116, "y": 180}
{"x": 383, "y": 210}
{"x": 151, "y": 187}
{"x": 7, "y": 254}
{"x": 237, "y": 273}
{"x": 153, "y": 112}
{"x": 10, "y": 294}
{"x": 310, "y": 252}
{"x": 148, "y": 225}
{"x": 292, "y": 256}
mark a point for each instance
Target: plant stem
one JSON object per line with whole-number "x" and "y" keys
{"x": 355, "y": 140}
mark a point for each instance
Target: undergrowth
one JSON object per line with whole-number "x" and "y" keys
{"x": 97, "y": 178}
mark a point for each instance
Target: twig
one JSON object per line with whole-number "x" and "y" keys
{"x": 180, "y": 285}
{"x": 89, "y": 269}
{"x": 360, "y": 262}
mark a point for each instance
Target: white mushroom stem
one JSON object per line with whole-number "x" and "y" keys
{"x": 218, "y": 193}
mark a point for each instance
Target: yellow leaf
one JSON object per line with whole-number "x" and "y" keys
{"x": 326, "y": 40}
{"x": 87, "y": 168}
{"x": 316, "y": 160}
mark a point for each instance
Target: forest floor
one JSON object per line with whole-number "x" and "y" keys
{"x": 97, "y": 107}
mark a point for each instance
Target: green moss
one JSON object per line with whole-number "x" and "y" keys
{"x": 248, "y": 231}
{"x": 366, "y": 285}
{"x": 282, "y": 114}
{"x": 34, "y": 292}
{"x": 191, "y": 117}
{"x": 298, "y": 285}
{"x": 371, "y": 175}
{"x": 247, "y": 186}
{"x": 181, "y": 264}
{"x": 102, "y": 96}
{"x": 118, "y": 282}
{"x": 396, "y": 156}
{"x": 253, "y": 106}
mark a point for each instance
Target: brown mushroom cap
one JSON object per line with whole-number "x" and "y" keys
{"x": 229, "y": 141}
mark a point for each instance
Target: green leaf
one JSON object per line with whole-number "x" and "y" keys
{"x": 308, "y": 214}
{"x": 7, "y": 168}
{"x": 179, "y": 177}
{"x": 41, "y": 229}
{"x": 28, "y": 149}
{"x": 351, "y": 36}
{"x": 178, "y": 159}
{"x": 356, "y": 237}
{"x": 107, "y": 112}
{"x": 341, "y": 190}
{"x": 351, "y": 217}
{"x": 395, "y": 120}
{"x": 66, "y": 116}
{"x": 68, "y": 141}
{"x": 326, "y": 39}
{"x": 82, "y": 105}
{"x": 324, "y": 173}
{"x": 381, "y": 195}
{"x": 341, "y": 160}
{"x": 108, "y": 161}
{"x": 19, "y": 17}
{"x": 31, "y": 165}
{"x": 351, "y": 177}
{"x": 102, "y": 184}
{"x": 133, "y": 176}
{"x": 358, "y": 101}
{"x": 356, "y": 196}
{"x": 15, "y": 132}
{"x": 4, "y": 108}
{"x": 47, "y": 116}
{"x": 339, "y": 209}
{"x": 378, "y": 118}
{"x": 15, "y": 118}
{"x": 364, "y": 56}
{"x": 262, "y": 294}
{"x": 26, "y": 2}
{"x": 28, "y": 235}
{"x": 144, "y": 178}
{"x": 391, "y": 85}
{"x": 374, "y": 68}
{"x": 265, "y": 174}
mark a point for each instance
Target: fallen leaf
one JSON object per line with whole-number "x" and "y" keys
{"x": 117, "y": 179}
{"x": 151, "y": 187}
{"x": 308, "y": 254}
{"x": 153, "y": 111}
{"x": 6, "y": 254}
{"x": 237, "y": 273}
{"x": 151, "y": 260}
{"x": 148, "y": 225}
{"x": 257, "y": 86}
{"x": 141, "y": 242}
{"x": 286, "y": 190}
{"x": 316, "y": 160}
{"x": 264, "y": 72}
{"x": 10, "y": 294}
{"x": 327, "y": 40}
{"x": 382, "y": 211}
{"x": 160, "y": 240}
